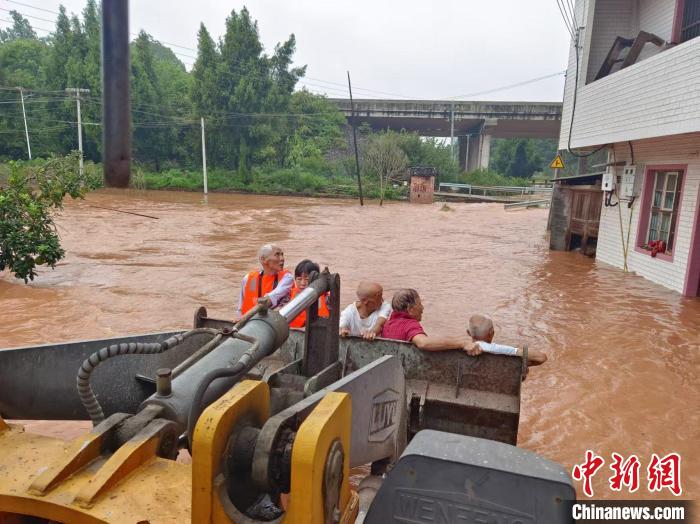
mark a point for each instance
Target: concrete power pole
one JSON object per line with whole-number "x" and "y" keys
{"x": 452, "y": 132}
{"x": 77, "y": 93}
{"x": 24, "y": 115}
{"x": 204, "y": 157}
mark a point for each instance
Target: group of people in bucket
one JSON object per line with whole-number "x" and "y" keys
{"x": 369, "y": 316}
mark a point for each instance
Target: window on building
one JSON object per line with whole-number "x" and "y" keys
{"x": 664, "y": 207}
{"x": 690, "y": 23}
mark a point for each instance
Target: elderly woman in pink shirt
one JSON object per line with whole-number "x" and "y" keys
{"x": 404, "y": 324}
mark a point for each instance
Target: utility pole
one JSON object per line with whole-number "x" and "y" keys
{"x": 452, "y": 131}
{"x": 354, "y": 138}
{"x": 24, "y": 115}
{"x": 204, "y": 157}
{"x": 77, "y": 92}
{"x": 116, "y": 106}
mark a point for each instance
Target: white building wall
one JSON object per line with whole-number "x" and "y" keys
{"x": 612, "y": 18}
{"x": 583, "y": 15}
{"x": 626, "y": 18}
{"x": 654, "y": 16}
{"x": 683, "y": 149}
{"x": 657, "y": 97}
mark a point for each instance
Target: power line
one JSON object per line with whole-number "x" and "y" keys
{"x": 33, "y": 7}
{"x": 219, "y": 113}
{"x": 510, "y": 86}
{"x": 33, "y": 27}
{"x": 11, "y": 88}
{"x": 356, "y": 88}
{"x": 24, "y": 14}
{"x": 325, "y": 88}
{"x": 572, "y": 10}
{"x": 36, "y": 131}
{"x": 133, "y": 34}
{"x": 33, "y": 100}
{"x": 569, "y": 28}
{"x": 56, "y": 13}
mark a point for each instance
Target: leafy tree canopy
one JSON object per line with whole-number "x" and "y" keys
{"x": 28, "y": 197}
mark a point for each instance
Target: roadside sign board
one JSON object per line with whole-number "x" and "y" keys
{"x": 557, "y": 163}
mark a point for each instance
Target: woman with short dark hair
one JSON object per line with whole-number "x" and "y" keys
{"x": 301, "y": 280}
{"x": 404, "y": 324}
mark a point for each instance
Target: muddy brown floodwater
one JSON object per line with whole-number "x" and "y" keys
{"x": 623, "y": 353}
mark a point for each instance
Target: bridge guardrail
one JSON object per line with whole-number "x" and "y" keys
{"x": 515, "y": 190}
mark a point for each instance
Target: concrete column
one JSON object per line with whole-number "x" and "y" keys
{"x": 473, "y": 153}
{"x": 469, "y": 152}
{"x": 463, "y": 149}
{"x": 484, "y": 151}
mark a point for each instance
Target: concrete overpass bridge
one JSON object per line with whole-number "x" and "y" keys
{"x": 472, "y": 123}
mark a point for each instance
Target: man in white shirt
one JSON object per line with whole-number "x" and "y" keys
{"x": 366, "y": 316}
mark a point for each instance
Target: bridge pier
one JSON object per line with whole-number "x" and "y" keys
{"x": 474, "y": 151}
{"x": 485, "y": 151}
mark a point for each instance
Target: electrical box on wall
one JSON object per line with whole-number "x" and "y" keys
{"x": 627, "y": 186}
{"x": 608, "y": 181}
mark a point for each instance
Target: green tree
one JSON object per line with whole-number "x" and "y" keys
{"x": 21, "y": 29}
{"x": 21, "y": 64}
{"x": 515, "y": 158}
{"x": 150, "y": 139}
{"x": 57, "y": 80}
{"x": 316, "y": 130}
{"x": 386, "y": 159}
{"x": 427, "y": 151}
{"x": 92, "y": 80}
{"x": 251, "y": 87}
{"x": 243, "y": 83}
{"x": 28, "y": 236}
{"x": 205, "y": 95}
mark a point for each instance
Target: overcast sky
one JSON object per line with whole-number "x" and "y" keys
{"x": 431, "y": 49}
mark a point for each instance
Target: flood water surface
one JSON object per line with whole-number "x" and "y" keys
{"x": 622, "y": 374}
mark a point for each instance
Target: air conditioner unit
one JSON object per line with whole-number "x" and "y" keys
{"x": 608, "y": 181}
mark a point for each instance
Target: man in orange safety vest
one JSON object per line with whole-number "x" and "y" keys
{"x": 269, "y": 285}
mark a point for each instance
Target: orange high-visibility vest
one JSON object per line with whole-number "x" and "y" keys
{"x": 258, "y": 285}
{"x": 300, "y": 320}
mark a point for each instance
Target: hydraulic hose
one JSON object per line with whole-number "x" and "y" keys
{"x": 196, "y": 409}
{"x": 87, "y": 395}
{"x": 244, "y": 363}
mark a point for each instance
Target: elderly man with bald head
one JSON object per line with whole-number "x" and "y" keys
{"x": 482, "y": 332}
{"x": 366, "y": 316}
{"x": 270, "y": 285}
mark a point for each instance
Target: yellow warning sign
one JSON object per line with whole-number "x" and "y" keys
{"x": 557, "y": 163}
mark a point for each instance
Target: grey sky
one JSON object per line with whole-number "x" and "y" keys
{"x": 428, "y": 49}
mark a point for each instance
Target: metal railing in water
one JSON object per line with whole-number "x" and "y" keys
{"x": 470, "y": 189}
